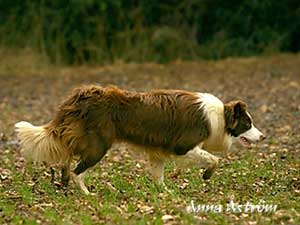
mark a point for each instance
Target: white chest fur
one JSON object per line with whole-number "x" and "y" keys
{"x": 213, "y": 108}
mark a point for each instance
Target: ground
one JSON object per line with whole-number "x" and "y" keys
{"x": 124, "y": 194}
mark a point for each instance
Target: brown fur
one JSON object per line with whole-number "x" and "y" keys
{"x": 161, "y": 122}
{"x": 92, "y": 118}
{"x": 156, "y": 119}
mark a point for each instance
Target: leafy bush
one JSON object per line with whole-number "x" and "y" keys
{"x": 100, "y": 31}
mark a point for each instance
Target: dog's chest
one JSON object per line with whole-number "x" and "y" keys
{"x": 217, "y": 143}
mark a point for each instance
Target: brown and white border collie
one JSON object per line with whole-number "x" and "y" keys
{"x": 165, "y": 123}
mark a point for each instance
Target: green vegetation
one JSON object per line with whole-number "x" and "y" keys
{"x": 104, "y": 31}
{"x": 136, "y": 200}
{"x": 124, "y": 192}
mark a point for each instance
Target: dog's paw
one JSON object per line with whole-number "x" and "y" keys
{"x": 207, "y": 174}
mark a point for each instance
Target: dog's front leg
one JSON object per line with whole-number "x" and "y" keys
{"x": 205, "y": 159}
{"x": 79, "y": 181}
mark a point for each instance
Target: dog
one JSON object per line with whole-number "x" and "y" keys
{"x": 165, "y": 123}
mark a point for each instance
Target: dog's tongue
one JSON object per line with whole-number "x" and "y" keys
{"x": 245, "y": 142}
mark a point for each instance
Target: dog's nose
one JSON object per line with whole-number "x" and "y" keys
{"x": 262, "y": 137}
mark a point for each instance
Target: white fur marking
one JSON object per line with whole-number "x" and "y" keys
{"x": 157, "y": 167}
{"x": 201, "y": 158}
{"x": 248, "y": 114}
{"x": 79, "y": 181}
{"x": 213, "y": 108}
{"x": 252, "y": 135}
{"x": 40, "y": 146}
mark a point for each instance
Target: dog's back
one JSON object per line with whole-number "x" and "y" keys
{"x": 169, "y": 119}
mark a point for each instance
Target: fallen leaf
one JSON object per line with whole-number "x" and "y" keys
{"x": 264, "y": 108}
{"x": 166, "y": 217}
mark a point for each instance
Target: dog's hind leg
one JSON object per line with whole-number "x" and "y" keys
{"x": 65, "y": 173}
{"x": 94, "y": 152}
{"x": 52, "y": 171}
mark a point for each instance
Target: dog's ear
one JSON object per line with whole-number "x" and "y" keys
{"x": 233, "y": 110}
{"x": 239, "y": 107}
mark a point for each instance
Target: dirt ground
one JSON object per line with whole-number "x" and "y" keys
{"x": 269, "y": 85}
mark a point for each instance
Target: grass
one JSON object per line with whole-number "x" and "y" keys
{"x": 30, "y": 197}
{"x": 268, "y": 172}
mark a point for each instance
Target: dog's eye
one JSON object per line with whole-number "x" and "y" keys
{"x": 248, "y": 123}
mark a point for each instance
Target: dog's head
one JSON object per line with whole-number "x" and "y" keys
{"x": 239, "y": 123}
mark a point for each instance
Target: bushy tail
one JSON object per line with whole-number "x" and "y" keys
{"x": 40, "y": 145}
